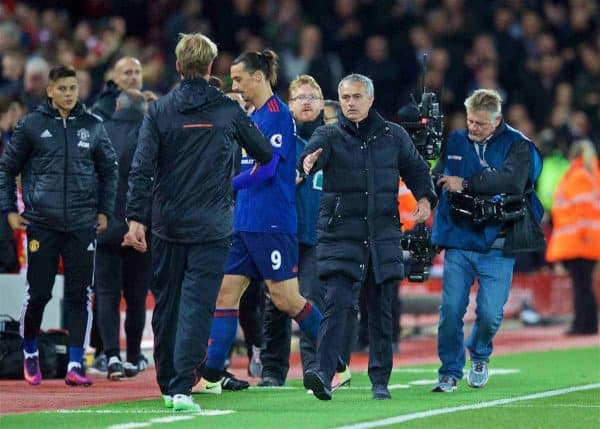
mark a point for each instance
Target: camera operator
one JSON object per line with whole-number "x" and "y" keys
{"x": 486, "y": 159}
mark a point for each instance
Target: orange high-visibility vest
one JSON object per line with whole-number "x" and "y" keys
{"x": 406, "y": 206}
{"x": 576, "y": 215}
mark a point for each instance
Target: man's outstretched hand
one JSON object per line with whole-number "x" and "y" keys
{"x": 310, "y": 159}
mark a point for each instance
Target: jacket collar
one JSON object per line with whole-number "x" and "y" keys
{"x": 365, "y": 128}
{"x": 47, "y": 109}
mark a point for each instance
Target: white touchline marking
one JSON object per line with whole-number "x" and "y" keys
{"x": 448, "y": 410}
{"x": 130, "y": 425}
{"x": 215, "y": 412}
{"x": 390, "y": 387}
{"x": 422, "y": 382}
{"x": 551, "y": 406}
{"x": 171, "y": 419}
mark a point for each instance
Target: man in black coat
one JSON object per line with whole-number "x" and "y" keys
{"x": 362, "y": 158}
{"x": 122, "y": 270}
{"x": 183, "y": 166}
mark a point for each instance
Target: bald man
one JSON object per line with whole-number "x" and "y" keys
{"x": 125, "y": 74}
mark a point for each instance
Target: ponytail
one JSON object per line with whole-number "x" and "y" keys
{"x": 266, "y": 61}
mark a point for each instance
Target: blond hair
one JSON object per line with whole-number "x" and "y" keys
{"x": 486, "y": 100}
{"x": 195, "y": 52}
{"x": 304, "y": 79}
{"x": 586, "y": 150}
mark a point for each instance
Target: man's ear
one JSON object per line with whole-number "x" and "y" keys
{"x": 209, "y": 69}
{"x": 177, "y": 66}
{"x": 49, "y": 90}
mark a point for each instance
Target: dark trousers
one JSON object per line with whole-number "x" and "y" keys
{"x": 341, "y": 297}
{"x": 363, "y": 325}
{"x": 121, "y": 271}
{"x": 8, "y": 249}
{"x": 185, "y": 284}
{"x": 77, "y": 249}
{"x": 252, "y": 306}
{"x": 586, "y": 310}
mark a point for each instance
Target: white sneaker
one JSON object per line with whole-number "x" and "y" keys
{"x": 184, "y": 403}
{"x": 205, "y": 386}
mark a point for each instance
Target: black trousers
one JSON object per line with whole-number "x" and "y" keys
{"x": 77, "y": 249}
{"x": 276, "y": 353}
{"x": 252, "y": 307}
{"x": 341, "y": 298}
{"x": 363, "y": 324}
{"x": 121, "y": 271}
{"x": 185, "y": 283}
{"x": 586, "y": 310}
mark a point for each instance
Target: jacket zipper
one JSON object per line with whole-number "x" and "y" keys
{"x": 65, "y": 174}
{"x": 336, "y": 208}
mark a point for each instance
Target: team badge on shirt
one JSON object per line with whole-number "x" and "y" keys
{"x": 276, "y": 140}
{"x": 34, "y": 246}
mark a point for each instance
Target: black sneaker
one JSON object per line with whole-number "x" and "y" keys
{"x": 130, "y": 370}
{"x": 114, "y": 369}
{"x": 270, "y": 382}
{"x": 381, "y": 392}
{"x": 313, "y": 381}
{"x": 229, "y": 382}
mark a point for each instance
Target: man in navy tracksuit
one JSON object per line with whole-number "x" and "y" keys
{"x": 183, "y": 166}
{"x": 69, "y": 175}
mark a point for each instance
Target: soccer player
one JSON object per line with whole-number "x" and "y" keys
{"x": 264, "y": 243}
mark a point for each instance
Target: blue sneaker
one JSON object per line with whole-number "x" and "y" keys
{"x": 446, "y": 384}
{"x": 478, "y": 374}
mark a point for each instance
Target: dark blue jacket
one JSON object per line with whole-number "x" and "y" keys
{"x": 68, "y": 168}
{"x": 358, "y": 217}
{"x": 508, "y": 155}
{"x": 183, "y": 163}
{"x": 308, "y": 196}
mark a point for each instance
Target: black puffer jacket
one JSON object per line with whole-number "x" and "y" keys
{"x": 106, "y": 102}
{"x": 69, "y": 169}
{"x": 184, "y": 161}
{"x": 123, "y": 129}
{"x": 358, "y": 218}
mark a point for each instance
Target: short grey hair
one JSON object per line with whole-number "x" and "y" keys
{"x": 132, "y": 99}
{"x": 355, "y": 77}
{"x": 486, "y": 100}
{"x": 37, "y": 65}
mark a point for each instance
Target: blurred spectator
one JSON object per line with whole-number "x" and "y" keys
{"x": 35, "y": 82}
{"x": 85, "y": 86}
{"x": 383, "y": 71}
{"x": 575, "y": 238}
{"x": 344, "y": 31}
{"x": 309, "y": 59}
{"x": 13, "y": 66}
{"x": 240, "y": 22}
{"x": 8, "y": 249}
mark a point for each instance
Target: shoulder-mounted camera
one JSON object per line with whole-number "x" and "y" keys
{"x": 424, "y": 121}
{"x": 501, "y": 208}
{"x": 417, "y": 242}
